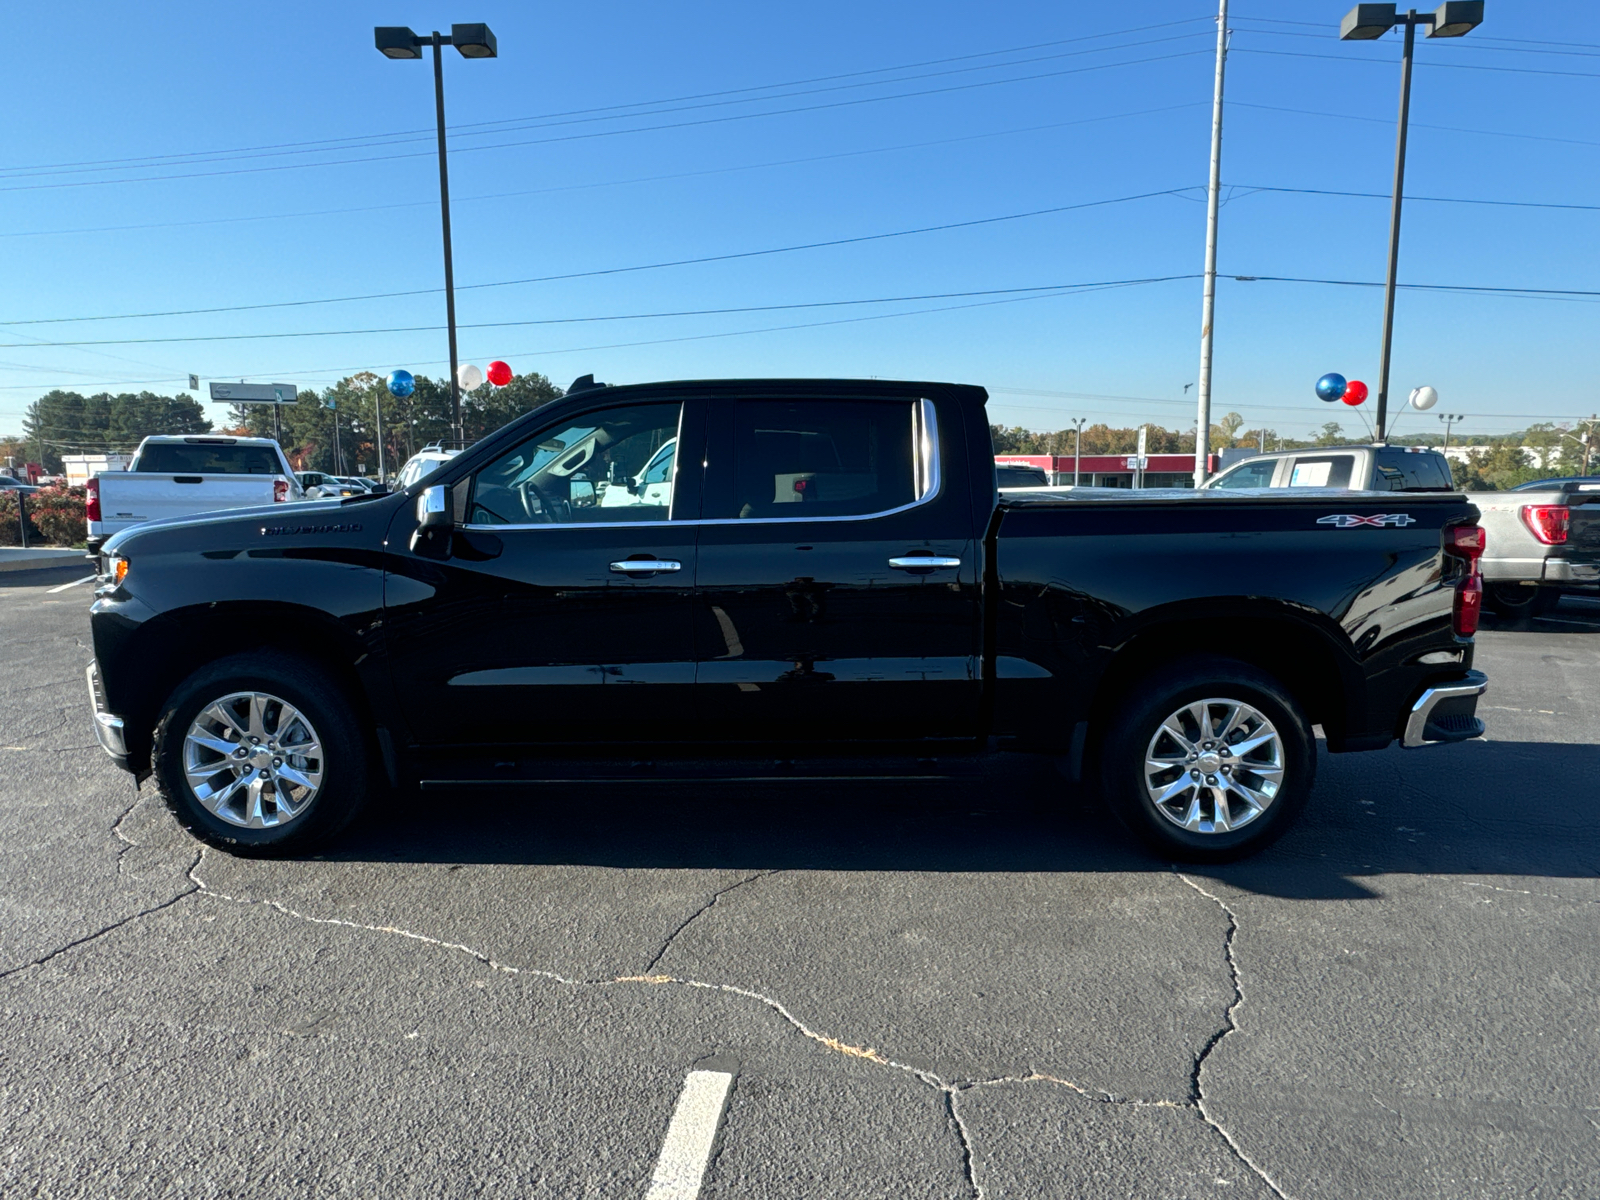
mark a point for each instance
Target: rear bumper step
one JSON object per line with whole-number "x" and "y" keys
{"x": 1446, "y": 713}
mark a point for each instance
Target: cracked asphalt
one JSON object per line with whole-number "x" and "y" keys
{"x": 928, "y": 990}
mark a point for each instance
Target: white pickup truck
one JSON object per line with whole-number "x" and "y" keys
{"x": 185, "y": 476}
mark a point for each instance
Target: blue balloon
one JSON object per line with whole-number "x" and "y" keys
{"x": 1331, "y": 387}
{"x": 402, "y": 384}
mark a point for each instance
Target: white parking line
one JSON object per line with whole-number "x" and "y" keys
{"x": 690, "y": 1136}
{"x": 73, "y": 584}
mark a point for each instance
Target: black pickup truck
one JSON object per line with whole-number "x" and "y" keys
{"x": 777, "y": 576}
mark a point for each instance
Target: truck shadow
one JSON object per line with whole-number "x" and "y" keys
{"x": 1482, "y": 808}
{"x": 1575, "y": 614}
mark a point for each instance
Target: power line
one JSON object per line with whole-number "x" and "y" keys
{"x": 617, "y": 132}
{"x": 1432, "y": 199}
{"x": 1481, "y": 44}
{"x": 574, "y": 187}
{"x": 1431, "y": 63}
{"x": 462, "y": 129}
{"x": 682, "y": 262}
{"x": 513, "y": 125}
{"x": 1471, "y": 289}
{"x": 693, "y": 312}
{"x": 1306, "y": 112}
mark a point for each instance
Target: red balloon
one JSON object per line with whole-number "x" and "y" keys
{"x": 499, "y": 373}
{"x": 1355, "y": 393}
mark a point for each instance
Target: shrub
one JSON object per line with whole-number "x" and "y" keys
{"x": 55, "y": 516}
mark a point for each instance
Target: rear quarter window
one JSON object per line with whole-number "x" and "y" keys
{"x": 1401, "y": 471}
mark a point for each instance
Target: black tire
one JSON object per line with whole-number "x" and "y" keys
{"x": 1163, "y": 694}
{"x": 1518, "y": 600}
{"x": 344, "y": 762}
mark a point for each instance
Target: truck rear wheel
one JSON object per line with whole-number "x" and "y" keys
{"x": 260, "y": 754}
{"x": 1209, "y": 760}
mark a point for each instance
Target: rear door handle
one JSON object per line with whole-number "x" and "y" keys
{"x": 645, "y": 566}
{"x": 924, "y": 562}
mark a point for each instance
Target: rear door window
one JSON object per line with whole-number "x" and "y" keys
{"x": 821, "y": 458}
{"x": 1323, "y": 470}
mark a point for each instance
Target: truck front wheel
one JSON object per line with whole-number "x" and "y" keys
{"x": 260, "y": 754}
{"x": 1209, "y": 760}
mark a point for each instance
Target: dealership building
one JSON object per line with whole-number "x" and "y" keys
{"x": 1114, "y": 470}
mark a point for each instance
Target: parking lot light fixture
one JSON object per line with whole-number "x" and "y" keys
{"x": 1365, "y": 22}
{"x": 396, "y": 41}
{"x": 473, "y": 41}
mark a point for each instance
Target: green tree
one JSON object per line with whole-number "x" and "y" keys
{"x": 1332, "y": 434}
{"x": 61, "y": 422}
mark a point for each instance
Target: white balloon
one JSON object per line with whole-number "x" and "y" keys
{"x": 469, "y": 377}
{"x": 1423, "y": 398}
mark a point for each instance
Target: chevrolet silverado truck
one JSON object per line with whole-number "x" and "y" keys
{"x": 831, "y": 586}
{"x": 180, "y": 476}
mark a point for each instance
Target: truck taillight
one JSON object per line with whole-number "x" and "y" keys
{"x": 1468, "y": 606}
{"x": 280, "y": 491}
{"x": 91, "y": 503}
{"x": 1468, "y": 542}
{"x": 1548, "y": 522}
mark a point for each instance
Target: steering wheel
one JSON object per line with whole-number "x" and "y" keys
{"x": 549, "y": 509}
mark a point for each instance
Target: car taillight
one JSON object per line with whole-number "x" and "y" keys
{"x": 1548, "y": 522}
{"x": 91, "y": 504}
{"x": 280, "y": 491}
{"x": 1468, "y": 606}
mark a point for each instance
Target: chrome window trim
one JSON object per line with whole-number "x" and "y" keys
{"x": 928, "y": 476}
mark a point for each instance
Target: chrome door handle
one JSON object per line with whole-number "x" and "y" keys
{"x": 924, "y": 562}
{"x": 645, "y": 566}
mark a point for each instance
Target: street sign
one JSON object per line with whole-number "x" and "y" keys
{"x": 255, "y": 393}
{"x": 194, "y": 383}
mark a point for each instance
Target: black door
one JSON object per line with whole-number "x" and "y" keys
{"x": 837, "y": 598}
{"x": 564, "y": 613}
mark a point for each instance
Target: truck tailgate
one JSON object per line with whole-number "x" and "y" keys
{"x": 132, "y": 497}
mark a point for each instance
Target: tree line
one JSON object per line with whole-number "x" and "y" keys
{"x": 63, "y": 422}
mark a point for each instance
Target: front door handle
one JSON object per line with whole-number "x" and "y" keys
{"x": 925, "y": 562}
{"x": 645, "y": 566}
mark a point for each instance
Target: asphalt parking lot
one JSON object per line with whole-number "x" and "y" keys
{"x": 918, "y": 990}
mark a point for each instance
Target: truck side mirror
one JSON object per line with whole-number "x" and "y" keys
{"x": 435, "y": 523}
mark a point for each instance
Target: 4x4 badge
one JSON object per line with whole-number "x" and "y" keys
{"x": 1352, "y": 521}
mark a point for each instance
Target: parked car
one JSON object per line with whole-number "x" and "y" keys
{"x": 895, "y": 614}
{"x": 183, "y": 476}
{"x": 423, "y": 462}
{"x": 1017, "y": 475}
{"x": 1358, "y": 468}
{"x": 12, "y": 484}
{"x": 1544, "y": 539}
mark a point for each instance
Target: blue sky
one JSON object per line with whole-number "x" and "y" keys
{"x": 270, "y": 155}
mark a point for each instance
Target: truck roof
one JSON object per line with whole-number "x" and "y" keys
{"x": 204, "y": 439}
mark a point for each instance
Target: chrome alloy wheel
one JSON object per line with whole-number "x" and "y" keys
{"x": 1214, "y": 766}
{"x": 253, "y": 760}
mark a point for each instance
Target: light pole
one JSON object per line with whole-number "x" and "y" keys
{"x": 473, "y": 41}
{"x": 1449, "y": 419}
{"x": 1363, "y": 23}
{"x": 1077, "y": 447}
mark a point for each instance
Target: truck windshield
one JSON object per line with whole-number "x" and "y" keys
{"x": 200, "y": 458}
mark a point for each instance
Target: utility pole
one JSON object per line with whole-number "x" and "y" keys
{"x": 1449, "y": 419}
{"x": 1208, "y": 308}
{"x": 1077, "y": 448}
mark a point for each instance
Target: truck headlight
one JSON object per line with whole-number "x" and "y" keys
{"x": 116, "y": 570}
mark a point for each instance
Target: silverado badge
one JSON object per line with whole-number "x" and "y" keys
{"x": 1352, "y": 521}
